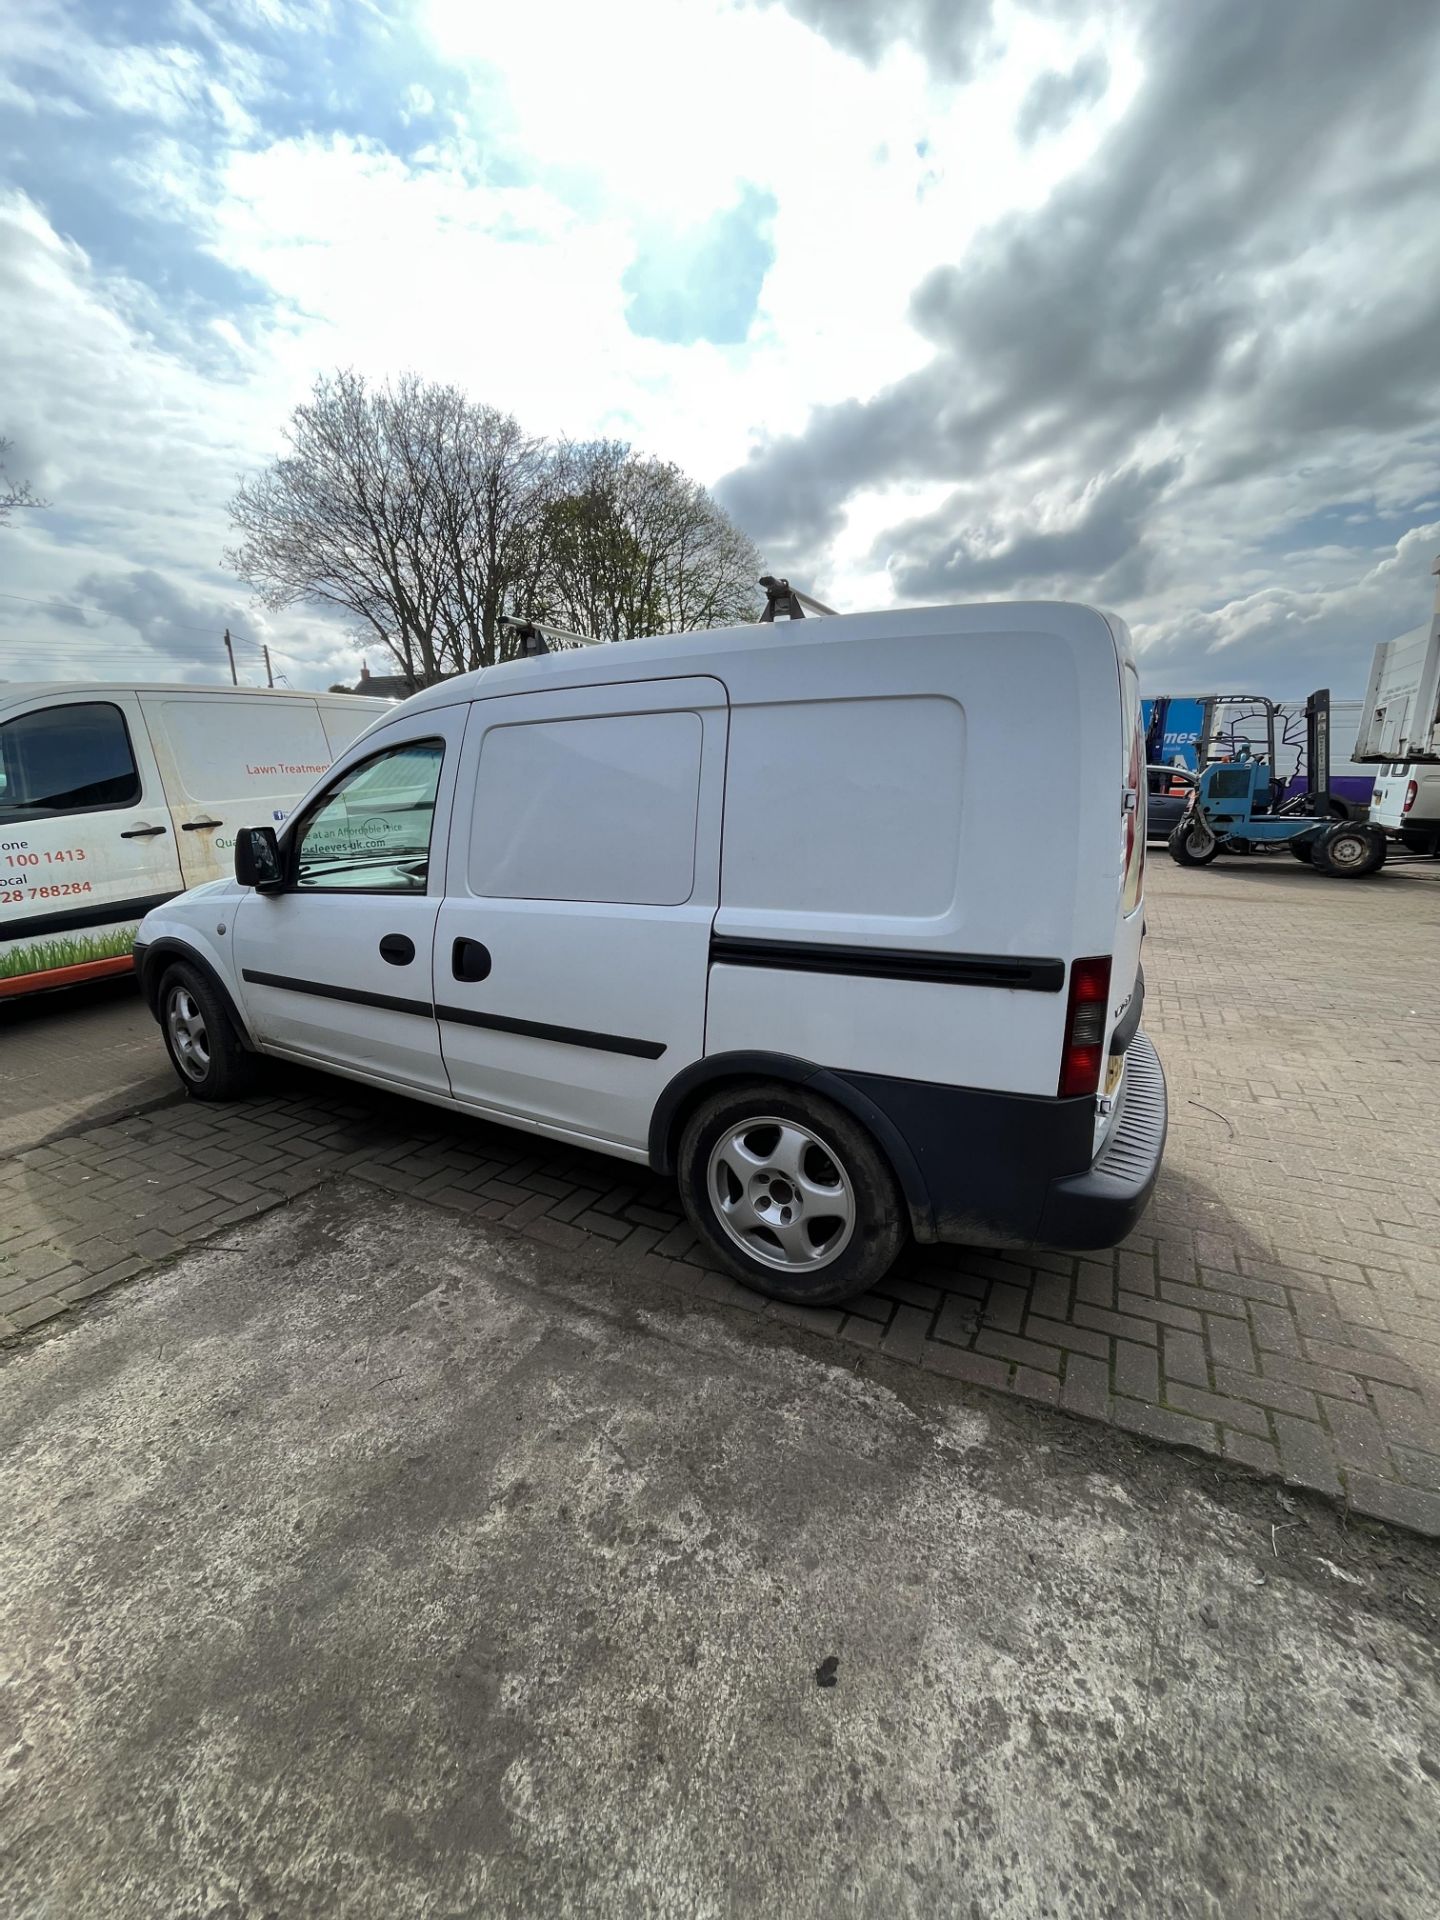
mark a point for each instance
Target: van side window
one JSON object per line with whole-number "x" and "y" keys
{"x": 66, "y": 759}
{"x": 371, "y": 832}
{"x": 597, "y": 809}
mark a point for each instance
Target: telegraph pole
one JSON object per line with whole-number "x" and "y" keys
{"x": 234, "y": 677}
{"x": 269, "y": 676}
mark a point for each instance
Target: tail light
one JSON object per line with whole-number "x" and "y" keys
{"x": 1410, "y": 792}
{"x": 1084, "y": 1055}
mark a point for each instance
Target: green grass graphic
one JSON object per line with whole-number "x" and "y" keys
{"x": 66, "y": 950}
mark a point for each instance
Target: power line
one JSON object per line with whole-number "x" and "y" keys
{"x": 84, "y": 606}
{"x": 175, "y": 626}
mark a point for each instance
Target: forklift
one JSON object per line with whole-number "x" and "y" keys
{"x": 1239, "y": 805}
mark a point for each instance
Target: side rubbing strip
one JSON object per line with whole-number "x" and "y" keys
{"x": 890, "y": 963}
{"x": 355, "y": 996}
{"x": 542, "y": 1030}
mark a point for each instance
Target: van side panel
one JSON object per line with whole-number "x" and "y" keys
{"x": 230, "y": 762}
{"x": 905, "y": 817}
{"x": 346, "y": 716}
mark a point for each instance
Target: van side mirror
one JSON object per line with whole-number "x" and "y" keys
{"x": 257, "y": 860}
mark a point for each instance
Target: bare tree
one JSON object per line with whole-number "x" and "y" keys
{"x": 633, "y": 545}
{"x": 14, "y": 493}
{"x": 332, "y": 521}
{"x": 491, "y": 528}
{"x": 424, "y": 516}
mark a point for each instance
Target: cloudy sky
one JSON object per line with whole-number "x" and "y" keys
{"x": 1135, "y": 302}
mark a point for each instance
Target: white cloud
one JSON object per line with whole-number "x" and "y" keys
{"x": 560, "y": 137}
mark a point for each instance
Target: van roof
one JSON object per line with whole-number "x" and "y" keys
{"x": 11, "y": 690}
{"x": 713, "y": 649}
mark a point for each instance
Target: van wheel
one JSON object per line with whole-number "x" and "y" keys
{"x": 203, "y": 1046}
{"x": 1349, "y": 850}
{"x": 791, "y": 1193}
{"x": 1191, "y": 846}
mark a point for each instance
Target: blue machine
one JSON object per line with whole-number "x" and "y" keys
{"x": 1239, "y": 804}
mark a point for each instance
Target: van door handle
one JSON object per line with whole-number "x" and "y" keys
{"x": 140, "y": 833}
{"x": 398, "y": 949}
{"x": 469, "y": 960}
{"x": 192, "y": 826}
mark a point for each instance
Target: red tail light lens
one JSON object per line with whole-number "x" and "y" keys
{"x": 1410, "y": 793}
{"x": 1084, "y": 1056}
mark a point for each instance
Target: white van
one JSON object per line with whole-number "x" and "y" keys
{"x": 1406, "y": 802}
{"x": 113, "y": 798}
{"x": 769, "y": 907}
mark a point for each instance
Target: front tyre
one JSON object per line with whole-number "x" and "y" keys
{"x": 1192, "y": 845}
{"x": 204, "y": 1048}
{"x": 790, "y": 1193}
{"x": 1349, "y": 851}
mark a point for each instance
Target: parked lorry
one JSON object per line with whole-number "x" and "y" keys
{"x": 742, "y": 906}
{"x": 1399, "y": 734}
{"x": 113, "y": 798}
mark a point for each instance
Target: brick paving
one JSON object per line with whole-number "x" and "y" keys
{"x": 1279, "y": 1306}
{"x": 98, "y": 1063}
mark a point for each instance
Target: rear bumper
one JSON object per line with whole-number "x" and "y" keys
{"x": 1100, "y": 1206}
{"x": 1015, "y": 1170}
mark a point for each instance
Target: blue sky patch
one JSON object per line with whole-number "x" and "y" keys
{"x": 704, "y": 283}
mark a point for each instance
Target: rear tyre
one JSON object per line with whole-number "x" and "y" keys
{"x": 1349, "y": 850}
{"x": 1415, "y": 841}
{"x": 791, "y": 1194}
{"x": 1191, "y": 847}
{"x": 203, "y": 1045}
{"x": 1302, "y": 850}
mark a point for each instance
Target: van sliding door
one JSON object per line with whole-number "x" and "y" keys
{"x": 572, "y": 948}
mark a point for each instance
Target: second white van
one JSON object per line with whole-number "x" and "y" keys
{"x": 768, "y": 908}
{"x": 112, "y": 798}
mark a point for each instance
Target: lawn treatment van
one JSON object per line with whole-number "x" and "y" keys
{"x": 770, "y": 908}
{"x": 113, "y": 798}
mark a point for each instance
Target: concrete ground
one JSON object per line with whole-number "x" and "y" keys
{"x": 368, "y": 1562}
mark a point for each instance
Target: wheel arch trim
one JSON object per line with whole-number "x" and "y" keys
{"x": 155, "y": 956}
{"x": 714, "y": 1070}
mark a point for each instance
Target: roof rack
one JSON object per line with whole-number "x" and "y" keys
{"x": 538, "y": 636}
{"x": 782, "y": 598}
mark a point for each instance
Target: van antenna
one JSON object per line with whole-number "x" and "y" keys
{"x": 782, "y": 598}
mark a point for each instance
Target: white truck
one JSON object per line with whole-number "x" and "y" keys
{"x": 113, "y": 798}
{"x": 742, "y": 906}
{"x": 1399, "y": 733}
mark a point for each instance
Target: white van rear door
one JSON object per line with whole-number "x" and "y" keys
{"x": 231, "y": 760}
{"x": 86, "y": 843}
{"x": 572, "y": 949}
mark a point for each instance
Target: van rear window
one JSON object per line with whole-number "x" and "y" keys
{"x": 66, "y": 759}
